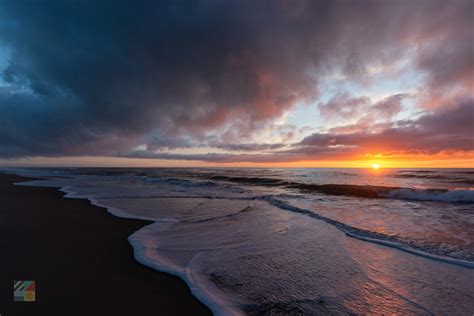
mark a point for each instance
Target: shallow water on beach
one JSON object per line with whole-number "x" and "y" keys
{"x": 298, "y": 241}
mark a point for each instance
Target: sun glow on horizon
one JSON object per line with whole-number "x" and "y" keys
{"x": 100, "y": 161}
{"x": 375, "y": 166}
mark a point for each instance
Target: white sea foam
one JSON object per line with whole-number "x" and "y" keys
{"x": 456, "y": 195}
{"x": 145, "y": 252}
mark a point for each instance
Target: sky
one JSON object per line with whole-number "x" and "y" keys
{"x": 237, "y": 83}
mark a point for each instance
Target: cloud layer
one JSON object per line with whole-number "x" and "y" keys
{"x": 446, "y": 131}
{"x": 102, "y": 78}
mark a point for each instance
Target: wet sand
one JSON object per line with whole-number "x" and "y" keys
{"x": 79, "y": 256}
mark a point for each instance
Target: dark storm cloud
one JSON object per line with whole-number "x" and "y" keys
{"x": 94, "y": 71}
{"x": 100, "y": 77}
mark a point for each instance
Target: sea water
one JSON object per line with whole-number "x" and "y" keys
{"x": 297, "y": 241}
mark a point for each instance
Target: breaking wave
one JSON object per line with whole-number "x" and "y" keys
{"x": 434, "y": 253}
{"x": 456, "y": 195}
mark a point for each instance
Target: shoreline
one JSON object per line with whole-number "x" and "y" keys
{"x": 331, "y": 251}
{"x": 80, "y": 258}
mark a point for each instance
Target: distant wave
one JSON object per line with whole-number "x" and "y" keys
{"x": 363, "y": 191}
{"x": 422, "y": 176}
{"x": 432, "y": 176}
{"x": 462, "y": 172}
{"x": 464, "y": 181}
{"x": 420, "y": 171}
{"x": 252, "y": 180}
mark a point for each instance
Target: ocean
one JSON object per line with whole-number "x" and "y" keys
{"x": 296, "y": 241}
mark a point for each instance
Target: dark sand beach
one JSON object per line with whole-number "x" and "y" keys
{"x": 79, "y": 256}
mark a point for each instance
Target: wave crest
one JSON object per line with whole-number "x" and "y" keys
{"x": 456, "y": 195}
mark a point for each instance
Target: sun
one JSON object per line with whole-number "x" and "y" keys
{"x": 375, "y": 166}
